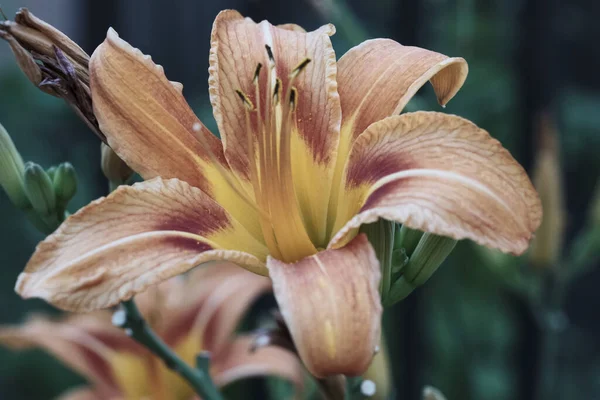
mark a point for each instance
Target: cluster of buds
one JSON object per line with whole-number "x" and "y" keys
{"x": 52, "y": 62}
{"x": 42, "y": 194}
{"x": 408, "y": 257}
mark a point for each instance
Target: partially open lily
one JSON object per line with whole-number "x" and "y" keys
{"x": 193, "y": 314}
{"x": 310, "y": 151}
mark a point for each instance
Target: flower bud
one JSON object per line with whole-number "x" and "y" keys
{"x": 429, "y": 254}
{"x": 408, "y": 239}
{"x": 52, "y": 62}
{"x": 113, "y": 167}
{"x": 381, "y": 236}
{"x": 11, "y": 171}
{"x": 64, "y": 182}
{"x": 38, "y": 187}
{"x": 547, "y": 244}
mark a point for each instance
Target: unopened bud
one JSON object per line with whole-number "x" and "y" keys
{"x": 11, "y": 171}
{"x": 38, "y": 187}
{"x": 64, "y": 182}
{"x": 113, "y": 167}
{"x": 429, "y": 254}
{"x": 431, "y": 393}
{"x": 408, "y": 239}
{"x": 52, "y": 62}
{"x": 431, "y": 251}
{"x": 547, "y": 245}
{"x": 381, "y": 236}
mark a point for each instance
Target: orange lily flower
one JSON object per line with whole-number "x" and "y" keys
{"x": 190, "y": 315}
{"x": 311, "y": 150}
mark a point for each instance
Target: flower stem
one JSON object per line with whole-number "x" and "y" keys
{"x": 199, "y": 379}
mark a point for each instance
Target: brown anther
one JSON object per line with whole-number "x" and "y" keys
{"x": 300, "y": 67}
{"x": 247, "y": 102}
{"x": 277, "y": 91}
{"x": 257, "y": 73}
{"x": 293, "y": 98}
{"x": 270, "y": 53}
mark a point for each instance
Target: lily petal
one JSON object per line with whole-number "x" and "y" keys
{"x": 216, "y": 298}
{"x": 136, "y": 237}
{"x": 227, "y": 304}
{"x": 237, "y": 46}
{"x": 442, "y": 174}
{"x": 238, "y": 362}
{"x": 68, "y": 343}
{"x": 330, "y": 302}
{"x": 149, "y": 124}
{"x": 378, "y": 77}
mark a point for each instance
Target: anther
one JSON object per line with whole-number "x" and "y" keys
{"x": 300, "y": 67}
{"x": 247, "y": 103}
{"x": 270, "y": 53}
{"x": 277, "y": 91}
{"x": 293, "y": 98}
{"x": 257, "y": 73}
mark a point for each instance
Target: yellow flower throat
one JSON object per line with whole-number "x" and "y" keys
{"x": 269, "y": 127}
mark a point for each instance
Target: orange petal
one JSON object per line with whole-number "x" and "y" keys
{"x": 214, "y": 299}
{"x": 439, "y": 173}
{"x": 330, "y": 302}
{"x": 138, "y": 236}
{"x": 68, "y": 343}
{"x": 378, "y": 77}
{"x": 237, "y": 362}
{"x": 237, "y": 46}
{"x": 149, "y": 124}
{"x": 227, "y": 304}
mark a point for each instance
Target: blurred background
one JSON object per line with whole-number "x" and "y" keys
{"x": 485, "y": 326}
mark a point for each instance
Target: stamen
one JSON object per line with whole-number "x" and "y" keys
{"x": 270, "y": 53}
{"x": 293, "y": 98}
{"x": 245, "y": 99}
{"x": 257, "y": 73}
{"x": 300, "y": 67}
{"x": 277, "y": 91}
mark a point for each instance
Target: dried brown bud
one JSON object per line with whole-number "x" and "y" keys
{"x": 113, "y": 167}
{"x": 52, "y": 62}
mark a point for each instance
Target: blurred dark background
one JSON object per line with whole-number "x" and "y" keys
{"x": 466, "y": 331}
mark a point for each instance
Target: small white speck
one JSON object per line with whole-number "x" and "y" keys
{"x": 261, "y": 341}
{"x": 119, "y": 318}
{"x": 196, "y": 127}
{"x": 128, "y": 332}
{"x": 368, "y": 388}
{"x": 377, "y": 349}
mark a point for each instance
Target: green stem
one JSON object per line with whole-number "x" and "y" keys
{"x": 199, "y": 379}
{"x": 552, "y": 322}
